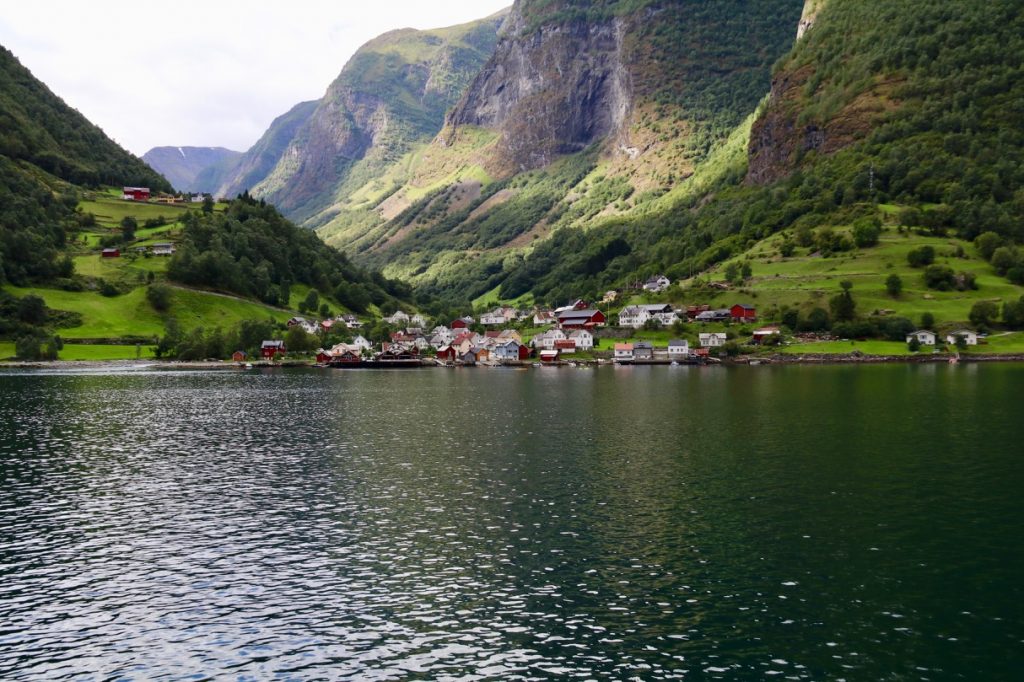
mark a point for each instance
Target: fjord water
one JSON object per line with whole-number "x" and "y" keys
{"x": 648, "y": 523}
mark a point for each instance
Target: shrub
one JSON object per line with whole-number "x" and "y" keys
{"x": 983, "y": 314}
{"x": 894, "y": 285}
{"x": 986, "y": 243}
{"x": 939, "y": 277}
{"x": 159, "y": 296}
{"x": 921, "y": 256}
{"x": 866, "y": 232}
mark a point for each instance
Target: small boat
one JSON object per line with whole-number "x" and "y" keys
{"x": 248, "y": 365}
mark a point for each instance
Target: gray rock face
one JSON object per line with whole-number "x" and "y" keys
{"x": 552, "y": 90}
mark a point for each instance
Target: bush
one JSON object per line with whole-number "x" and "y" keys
{"x": 866, "y": 232}
{"x": 1004, "y": 259}
{"x": 159, "y": 296}
{"x": 921, "y": 256}
{"x": 31, "y": 310}
{"x": 986, "y": 243}
{"x": 983, "y": 314}
{"x": 939, "y": 277}
{"x": 894, "y": 285}
{"x": 896, "y": 328}
{"x": 109, "y": 290}
{"x": 36, "y": 347}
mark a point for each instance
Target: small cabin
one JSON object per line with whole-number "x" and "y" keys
{"x": 135, "y": 194}
{"x": 743, "y": 313}
{"x": 924, "y": 337}
{"x": 270, "y": 350}
{"x": 110, "y": 253}
{"x": 549, "y": 356}
{"x": 239, "y": 356}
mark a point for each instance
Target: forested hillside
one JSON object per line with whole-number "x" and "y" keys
{"x": 38, "y": 127}
{"x": 911, "y": 105}
{"x": 251, "y": 250}
{"x": 46, "y": 150}
{"x": 585, "y": 112}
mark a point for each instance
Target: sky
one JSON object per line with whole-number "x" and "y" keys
{"x": 210, "y": 73}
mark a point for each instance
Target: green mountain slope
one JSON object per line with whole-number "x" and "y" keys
{"x": 255, "y": 164}
{"x": 914, "y": 106}
{"x": 391, "y": 96}
{"x": 585, "y": 112}
{"x": 38, "y": 127}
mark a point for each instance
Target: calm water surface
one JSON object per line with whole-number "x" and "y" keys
{"x": 856, "y": 523}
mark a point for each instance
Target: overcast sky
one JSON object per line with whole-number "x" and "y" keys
{"x": 203, "y": 73}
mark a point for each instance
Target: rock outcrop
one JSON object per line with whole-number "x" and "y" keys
{"x": 551, "y": 90}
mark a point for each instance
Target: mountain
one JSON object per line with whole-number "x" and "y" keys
{"x": 192, "y": 169}
{"x": 254, "y": 165}
{"x": 895, "y": 115}
{"x": 37, "y": 127}
{"x": 585, "y": 111}
{"x": 390, "y": 97}
{"x": 47, "y": 152}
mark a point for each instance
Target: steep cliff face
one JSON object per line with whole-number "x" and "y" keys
{"x": 392, "y": 93}
{"x": 551, "y": 90}
{"x": 183, "y": 166}
{"x": 256, "y": 164}
{"x": 793, "y": 123}
{"x": 587, "y": 111}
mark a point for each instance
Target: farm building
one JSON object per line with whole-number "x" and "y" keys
{"x": 923, "y": 336}
{"x": 135, "y": 194}
{"x": 743, "y": 313}
{"x": 272, "y": 349}
{"x": 110, "y": 253}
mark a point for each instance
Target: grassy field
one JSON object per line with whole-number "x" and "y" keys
{"x": 131, "y": 315}
{"x": 846, "y": 347}
{"x": 808, "y": 279}
{"x": 90, "y": 352}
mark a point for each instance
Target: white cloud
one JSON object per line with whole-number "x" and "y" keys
{"x": 203, "y": 73}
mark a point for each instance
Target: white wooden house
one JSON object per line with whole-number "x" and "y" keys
{"x": 923, "y": 336}
{"x": 678, "y": 348}
{"x": 583, "y": 338}
{"x": 712, "y": 339}
{"x": 970, "y": 338}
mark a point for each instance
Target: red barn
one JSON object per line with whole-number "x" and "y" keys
{"x": 462, "y": 323}
{"x": 238, "y": 356}
{"x": 135, "y": 194}
{"x": 581, "y": 319}
{"x": 110, "y": 253}
{"x": 524, "y": 352}
{"x": 743, "y": 313}
{"x": 272, "y": 349}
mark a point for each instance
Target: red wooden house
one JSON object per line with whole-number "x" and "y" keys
{"x": 239, "y": 356}
{"x": 581, "y": 319}
{"x": 272, "y": 349}
{"x": 743, "y": 313}
{"x": 135, "y": 194}
{"x": 447, "y": 353}
{"x": 461, "y": 323}
{"x": 323, "y": 357}
{"x": 110, "y": 253}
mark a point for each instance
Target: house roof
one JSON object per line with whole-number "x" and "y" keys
{"x": 678, "y": 343}
{"x": 641, "y": 345}
{"x": 706, "y": 335}
{"x": 588, "y": 313}
{"x": 272, "y": 344}
{"x": 623, "y": 346}
{"x": 579, "y": 333}
{"x": 744, "y": 306}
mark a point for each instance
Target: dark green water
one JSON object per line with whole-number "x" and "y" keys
{"x": 857, "y": 523}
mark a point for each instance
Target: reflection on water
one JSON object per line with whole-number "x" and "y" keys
{"x": 649, "y": 523}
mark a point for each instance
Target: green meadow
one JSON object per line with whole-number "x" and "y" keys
{"x": 131, "y": 314}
